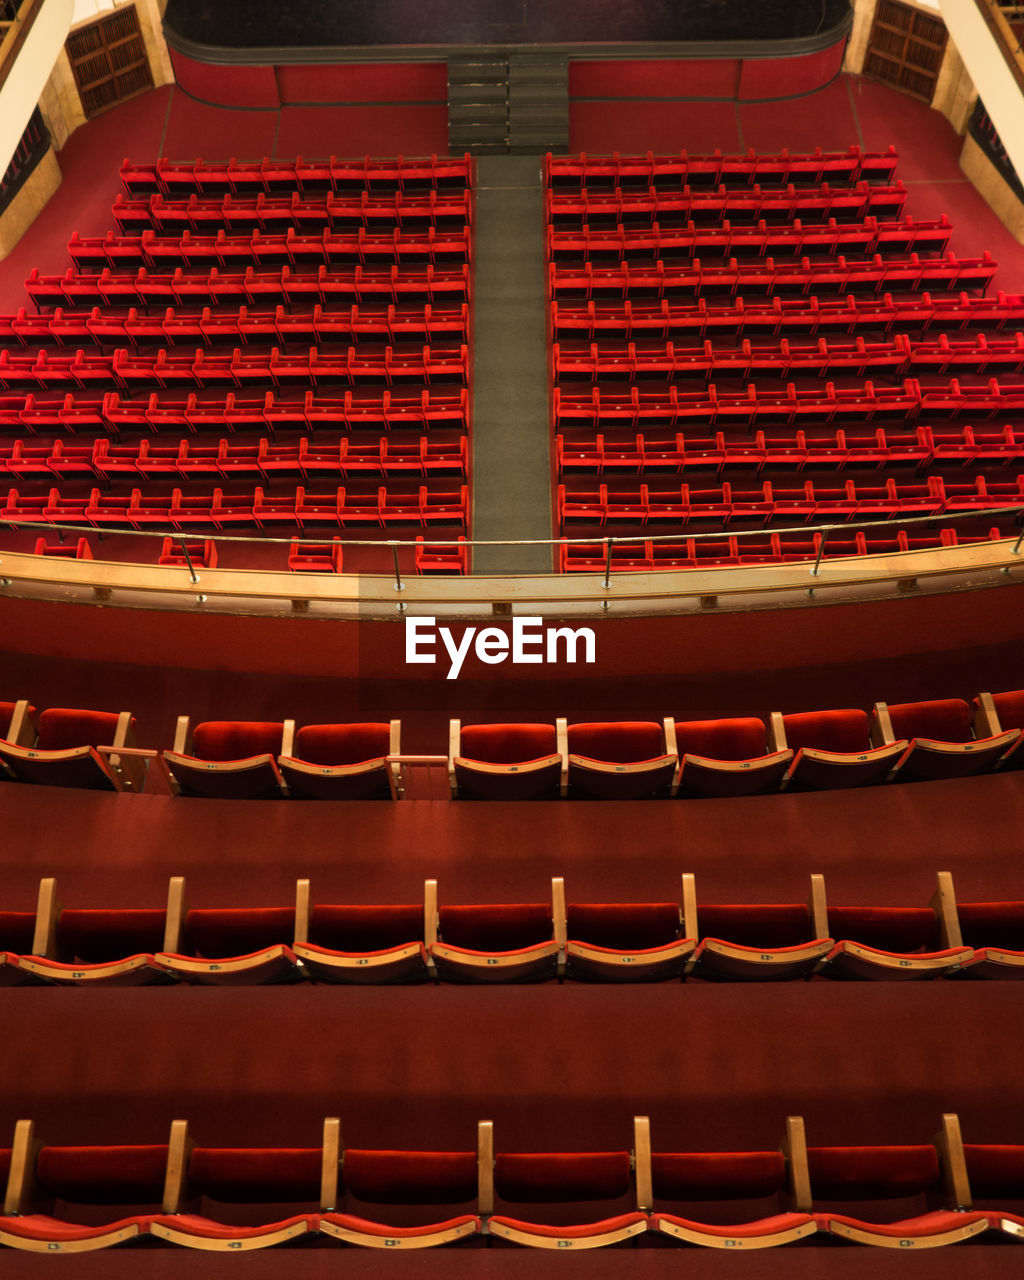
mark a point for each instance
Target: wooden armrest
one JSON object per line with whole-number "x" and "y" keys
{"x": 330, "y": 1164}
{"x": 302, "y": 911}
{"x": 953, "y": 1163}
{"x": 817, "y": 904}
{"x": 179, "y": 1148}
{"x": 21, "y": 1183}
{"x": 881, "y": 726}
{"x": 794, "y": 1148}
{"x": 44, "y": 939}
{"x": 562, "y": 746}
{"x": 182, "y": 737}
{"x": 174, "y": 920}
{"x": 777, "y": 732}
{"x": 454, "y": 747}
{"x": 943, "y": 903}
{"x": 642, "y": 1163}
{"x": 689, "y": 906}
{"x": 986, "y": 718}
{"x": 485, "y": 1167}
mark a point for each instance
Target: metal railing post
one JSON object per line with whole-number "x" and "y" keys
{"x": 188, "y": 559}
{"x": 817, "y": 559}
{"x": 608, "y": 563}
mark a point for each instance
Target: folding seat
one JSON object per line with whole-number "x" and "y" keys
{"x": 727, "y": 758}
{"x": 315, "y": 557}
{"x": 764, "y": 942}
{"x": 240, "y": 1181}
{"x": 998, "y": 713}
{"x": 405, "y": 1186}
{"x": 228, "y": 759}
{"x": 833, "y": 748}
{"x": 499, "y": 942}
{"x": 621, "y": 760}
{"x": 342, "y": 761}
{"x": 80, "y": 550}
{"x": 893, "y": 943}
{"x": 66, "y": 751}
{"x": 350, "y": 944}
{"x": 76, "y": 1179}
{"x": 894, "y": 1179}
{"x": 738, "y": 1184}
{"x": 228, "y": 946}
{"x": 90, "y": 947}
{"x": 202, "y": 554}
{"x": 558, "y": 1180}
{"x": 941, "y": 739}
{"x": 441, "y": 559}
{"x": 994, "y": 930}
{"x": 627, "y": 942}
{"x": 505, "y": 762}
{"x": 994, "y": 1174}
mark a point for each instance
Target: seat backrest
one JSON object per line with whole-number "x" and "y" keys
{"x": 757, "y": 925}
{"x": 1010, "y": 708}
{"x": 236, "y": 739}
{"x": 98, "y": 936}
{"x": 410, "y": 1177}
{"x": 62, "y": 728}
{"x": 562, "y": 1177}
{"x": 902, "y": 929}
{"x": 256, "y": 1175}
{"x": 992, "y": 924}
{"x": 103, "y": 1175}
{"x": 629, "y": 926}
{"x": 496, "y": 927}
{"x": 336, "y": 744}
{"x": 507, "y": 743}
{"x": 237, "y": 931}
{"x": 739, "y": 739}
{"x": 619, "y": 742}
{"x": 944, "y": 719}
{"x": 365, "y": 928}
{"x": 717, "y": 1175}
{"x": 872, "y": 1173}
{"x": 842, "y": 730}
{"x": 995, "y": 1171}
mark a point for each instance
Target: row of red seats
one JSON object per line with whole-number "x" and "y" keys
{"x": 252, "y": 287}
{"x": 814, "y": 239}
{"x": 923, "y": 446}
{"x": 716, "y": 553}
{"x": 739, "y": 204}
{"x": 852, "y": 165}
{"x": 609, "y": 942}
{"x": 895, "y": 357}
{"x": 129, "y": 369}
{"x": 710, "y": 406}
{"x": 875, "y": 274}
{"x": 312, "y": 328}
{"x": 190, "y": 460}
{"x": 913, "y": 741}
{"x": 395, "y": 1199}
{"x": 180, "y": 510}
{"x": 209, "y": 177}
{"x": 811, "y": 501}
{"x": 305, "y": 213}
{"x": 431, "y": 408}
{"x": 303, "y": 556}
{"x": 292, "y": 248}
{"x": 666, "y": 318}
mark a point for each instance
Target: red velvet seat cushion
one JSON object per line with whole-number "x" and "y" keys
{"x": 992, "y": 924}
{"x": 898, "y": 929}
{"x": 572, "y": 1231}
{"x": 39, "y": 1226}
{"x": 352, "y": 928}
{"x": 1010, "y": 708}
{"x": 103, "y": 1175}
{"x": 872, "y": 1173}
{"x": 629, "y": 926}
{"x": 841, "y": 731}
{"x": 17, "y": 931}
{"x": 507, "y": 743}
{"x": 195, "y": 1224}
{"x": 995, "y": 1170}
{"x": 236, "y": 739}
{"x": 741, "y": 739}
{"x": 99, "y": 936}
{"x": 410, "y": 1177}
{"x": 498, "y": 927}
{"x": 946, "y": 720}
{"x": 335, "y": 744}
{"x": 625, "y": 742}
{"x": 718, "y": 1175}
{"x": 236, "y": 931}
{"x": 759, "y": 926}
{"x": 350, "y": 1222}
{"x": 562, "y": 1177}
{"x": 926, "y": 1224}
{"x": 61, "y": 729}
{"x": 256, "y": 1175}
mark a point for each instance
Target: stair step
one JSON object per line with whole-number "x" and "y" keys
{"x": 539, "y": 93}
{"x": 477, "y": 93}
{"x": 479, "y": 113}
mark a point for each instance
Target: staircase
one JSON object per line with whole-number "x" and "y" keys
{"x": 508, "y": 102}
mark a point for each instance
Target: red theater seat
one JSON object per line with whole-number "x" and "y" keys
{"x": 833, "y": 749}
{"x": 940, "y": 734}
{"x": 65, "y": 753}
{"x": 996, "y": 713}
{"x": 994, "y": 931}
{"x": 995, "y": 1176}
{"x": 726, "y": 1185}
{"x": 315, "y": 557}
{"x": 202, "y": 554}
{"x": 342, "y": 761}
{"x": 727, "y": 758}
{"x": 229, "y": 946}
{"x": 364, "y": 944}
{"x": 568, "y": 1185}
{"x": 761, "y": 942}
{"x": 623, "y": 760}
{"x": 409, "y": 1184}
{"x": 505, "y": 761}
{"x": 499, "y": 942}
{"x": 46, "y": 1183}
{"x": 626, "y": 942}
{"x": 227, "y": 759}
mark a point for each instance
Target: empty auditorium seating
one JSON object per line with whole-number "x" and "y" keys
{"x": 727, "y": 758}
{"x": 341, "y": 761}
{"x": 63, "y": 748}
{"x": 994, "y": 931}
{"x": 623, "y": 760}
{"x": 833, "y": 748}
{"x": 940, "y": 737}
{"x": 499, "y": 942}
{"x": 627, "y": 942}
{"x": 236, "y": 759}
{"x": 346, "y": 943}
